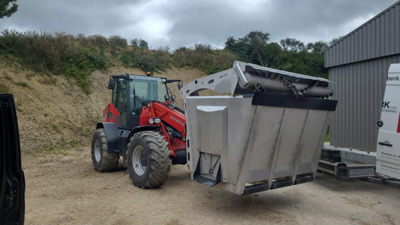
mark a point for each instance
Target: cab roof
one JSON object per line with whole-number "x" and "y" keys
{"x": 132, "y": 76}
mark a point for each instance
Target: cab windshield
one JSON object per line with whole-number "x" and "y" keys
{"x": 146, "y": 88}
{"x": 149, "y": 88}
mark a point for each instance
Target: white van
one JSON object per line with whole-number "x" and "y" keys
{"x": 388, "y": 149}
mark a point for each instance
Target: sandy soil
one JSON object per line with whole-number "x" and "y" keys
{"x": 67, "y": 190}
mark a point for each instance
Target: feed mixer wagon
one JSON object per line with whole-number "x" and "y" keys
{"x": 268, "y": 133}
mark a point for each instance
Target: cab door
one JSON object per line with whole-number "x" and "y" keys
{"x": 138, "y": 92}
{"x": 119, "y": 100}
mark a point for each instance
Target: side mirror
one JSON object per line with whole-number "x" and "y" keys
{"x": 111, "y": 84}
{"x": 179, "y": 86}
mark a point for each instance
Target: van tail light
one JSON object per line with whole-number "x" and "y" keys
{"x": 398, "y": 125}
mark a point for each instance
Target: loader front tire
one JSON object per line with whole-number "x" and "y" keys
{"x": 148, "y": 159}
{"x": 102, "y": 159}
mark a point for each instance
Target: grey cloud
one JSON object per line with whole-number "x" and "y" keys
{"x": 309, "y": 18}
{"x": 90, "y": 17}
{"x": 195, "y": 21}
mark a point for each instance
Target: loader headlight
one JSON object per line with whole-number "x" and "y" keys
{"x": 151, "y": 120}
{"x": 154, "y": 120}
{"x": 157, "y": 120}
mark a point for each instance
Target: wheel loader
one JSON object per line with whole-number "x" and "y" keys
{"x": 265, "y": 132}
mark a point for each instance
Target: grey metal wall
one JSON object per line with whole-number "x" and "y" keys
{"x": 379, "y": 37}
{"x": 358, "y": 63}
{"x": 359, "y": 90}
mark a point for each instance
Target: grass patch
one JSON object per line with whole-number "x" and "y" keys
{"x": 48, "y": 80}
{"x": 29, "y": 76}
{"x": 84, "y": 131}
{"x": 4, "y": 89}
{"x": 56, "y": 128}
{"x": 74, "y": 144}
{"x": 22, "y": 84}
{"x": 61, "y": 147}
{"x": 328, "y": 135}
{"x": 54, "y": 150}
{"x": 58, "y": 151}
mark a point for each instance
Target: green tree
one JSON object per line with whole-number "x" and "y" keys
{"x": 143, "y": 44}
{"x": 318, "y": 46}
{"x": 291, "y": 44}
{"x": 256, "y": 40}
{"x": 249, "y": 47}
{"x": 289, "y": 54}
{"x": 139, "y": 44}
{"x": 237, "y": 47}
{"x": 272, "y": 54}
{"x": 7, "y": 7}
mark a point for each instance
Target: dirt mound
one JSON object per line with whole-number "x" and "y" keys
{"x": 54, "y": 113}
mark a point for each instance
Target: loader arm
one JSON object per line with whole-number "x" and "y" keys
{"x": 246, "y": 78}
{"x": 219, "y": 82}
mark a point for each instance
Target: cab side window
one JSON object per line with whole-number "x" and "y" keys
{"x": 119, "y": 100}
{"x": 114, "y": 94}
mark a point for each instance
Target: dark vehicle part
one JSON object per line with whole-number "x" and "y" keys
{"x": 12, "y": 188}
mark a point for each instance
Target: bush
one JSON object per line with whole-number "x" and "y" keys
{"x": 81, "y": 62}
{"x": 59, "y": 54}
{"x": 77, "y": 57}
{"x": 95, "y": 41}
{"x": 204, "y": 58}
{"x": 147, "y": 60}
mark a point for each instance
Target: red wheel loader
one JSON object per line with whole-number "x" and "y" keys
{"x": 144, "y": 126}
{"x": 268, "y": 133}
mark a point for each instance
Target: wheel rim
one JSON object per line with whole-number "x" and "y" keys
{"x": 139, "y": 160}
{"x": 97, "y": 153}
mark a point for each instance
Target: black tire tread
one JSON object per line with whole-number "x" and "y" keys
{"x": 109, "y": 161}
{"x": 159, "y": 159}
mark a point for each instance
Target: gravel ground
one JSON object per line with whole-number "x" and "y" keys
{"x": 67, "y": 190}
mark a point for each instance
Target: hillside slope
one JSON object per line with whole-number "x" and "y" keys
{"x": 54, "y": 113}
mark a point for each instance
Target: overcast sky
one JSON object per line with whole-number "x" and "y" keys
{"x": 177, "y": 23}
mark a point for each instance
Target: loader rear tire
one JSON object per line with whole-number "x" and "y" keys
{"x": 148, "y": 159}
{"x": 102, "y": 159}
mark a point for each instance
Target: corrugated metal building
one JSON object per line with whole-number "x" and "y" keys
{"x": 358, "y": 64}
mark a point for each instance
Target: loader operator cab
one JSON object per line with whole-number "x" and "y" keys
{"x": 131, "y": 92}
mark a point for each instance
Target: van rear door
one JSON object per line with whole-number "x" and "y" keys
{"x": 388, "y": 148}
{"x": 12, "y": 186}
